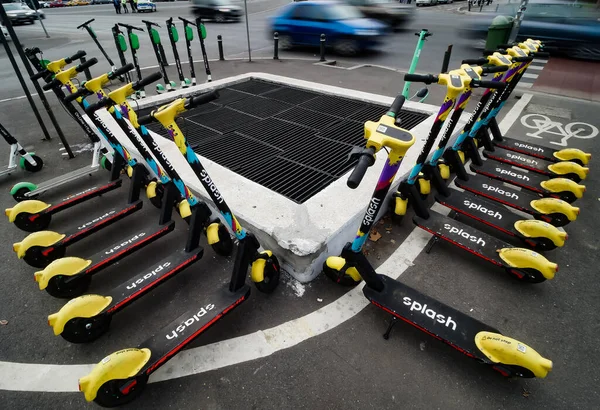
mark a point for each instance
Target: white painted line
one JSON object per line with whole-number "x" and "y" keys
{"x": 63, "y": 378}
{"x": 539, "y": 61}
{"x": 514, "y": 113}
{"x": 527, "y": 75}
{"x": 523, "y": 84}
{"x": 535, "y": 67}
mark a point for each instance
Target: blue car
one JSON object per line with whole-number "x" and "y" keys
{"x": 346, "y": 29}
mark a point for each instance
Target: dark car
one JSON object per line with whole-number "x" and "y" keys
{"x": 346, "y": 29}
{"x": 572, "y": 29}
{"x": 390, "y": 12}
{"x": 19, "y": 14}
{"x": 217, "y": 10}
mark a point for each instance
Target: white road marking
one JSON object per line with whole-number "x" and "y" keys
{"x": 527, "y": 75}
{"x": 535, "y": 67}
{"x": 524, "y": 84}
{"x": 514, "y": 113}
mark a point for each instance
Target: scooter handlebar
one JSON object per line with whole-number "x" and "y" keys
{"x": 129, "y": 26}
{"x": 494, "y": 69}
{"x": 87, "y": 64}
{"x": 522, "y": 59}
{"x": 541, "y": 54}
{"x": 397, "y": 105}
{"x": 120, "y": 71}
{"x": 85, "y": 24}
{"x": 187, "y": 21}
{"x": 146, "y": 119}
{"x": 149, "y": 23}
{"x": 418, "y": 78}
{"x": 364, "y": 162}
{"x": 92, "y": 108}
{"x": 152, "y": 78}
{"x": 82, "y": 92}
{"x": 201, "y": 99}
{"x": 475, "y": 61}
{"x": 487, "y": 84}
{"x": 75, "y": 56}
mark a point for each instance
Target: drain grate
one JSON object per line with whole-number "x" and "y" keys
{"x": 292, "y": 141}
{"x": 259, "y": 106}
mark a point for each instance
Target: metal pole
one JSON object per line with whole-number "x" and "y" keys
{"x": 517, "y": 23}
{"x": 323, "y": 39}
{"x": 276, "y": 46}
{"x": 41, "y": 22}
{"x": 446, "y": 62}
{"x": 247, "y": 31}
{"x": 220, "y": 45}
{"x": 17, "y": 70}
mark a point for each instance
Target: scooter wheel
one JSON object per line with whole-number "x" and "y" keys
{"x": 271, "y": 276}
{"x": 111, "y": 394}
{"x": 567, "y": 196}
{"x": 35, "y": 257}
{"x": 68, "y": 287}
{"x": 39, "y": 164}
{"x": 156, "y": 200}
{"x": 556, "y": 219}
{"x": 24, "y": 223}
{"x": 105, "y": 163}
{"x": 527, "y": 275}
{"x": 85, "y": 330}
{"x": 338, "y": 277}
{"x": 542, "y": 244}
{"x": 572, "y": 176}
{"x": 19, "y": 195}
{"x": 225, "y": 245}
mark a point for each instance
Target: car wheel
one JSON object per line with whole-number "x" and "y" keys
{"x": 285, "y": 42}
{"x": 219, "y": 18}
{"x": 346, "y": 47}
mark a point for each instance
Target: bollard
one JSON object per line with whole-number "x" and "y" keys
{"x": 322, "y": 47}
{"x": 88, "y": 75}
{"x": 276, "y": 46}
{"x": 446, "y": 61}
{"x": 220, "y": 44}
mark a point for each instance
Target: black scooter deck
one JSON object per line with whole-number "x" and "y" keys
{"x": 127, "y": 246}
{"x": 515, "y": 176}
{"x": 172, "y": 338}
{"x": 464, "y": 236}
{"x": 482, "y": 210}
{"x": 83, "y": 196}
{"x": 520, "y": 160}
{"x": 149, "y": 278}
{"x": 113, "y": 215}
{"x": 527, "y": 148}
{"x": 495, "y": 191}
{"x": 429, "y": 315}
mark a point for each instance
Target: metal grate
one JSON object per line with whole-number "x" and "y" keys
{"x": 292, "y": 141}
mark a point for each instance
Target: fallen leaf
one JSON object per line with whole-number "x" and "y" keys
{"x": 374, "y": 236}
{"x": 319, "y": 300}
{"x": 388, "y": 228}
{"x": 392, "y": 240}
{"x": 3, "y": 322}
{"x": 526, "y": 393}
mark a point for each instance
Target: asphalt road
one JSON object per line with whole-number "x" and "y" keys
{"x": 396, "y": 51}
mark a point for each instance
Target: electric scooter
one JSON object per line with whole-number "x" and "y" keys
{"x": 217, "y": 234}
{"x": 157, "y": 47}
{"x": 120, "y": 377}
{"x": 121, "y": 46}
{"x": 174, "y": 38}
{"x": 134, "y": 45}
{"x": 202, "y": 36}
{"x": 34, "y": 215}
{"x": 189, "y": 36}
{"x": 423, "y": 34}
{"x": 466, "y": 334}
{"x": 19, "y": 156}
{"x": 88, "y": 27}
{"x": 101, "y": 158}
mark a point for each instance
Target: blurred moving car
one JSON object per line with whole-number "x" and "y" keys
{"x": 573, "y": 29}
{"x": 217, "y": 10}
{"x": 390, "y": 12}
{"x": 57, "y": 3}
{"x": 19, "y": 14}
{"x": 346, "y": 29}
{"x": 146, "y": 5}
{"x": 426, "y": 2}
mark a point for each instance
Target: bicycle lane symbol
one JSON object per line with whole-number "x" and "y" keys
{"x": 544, "y": 125}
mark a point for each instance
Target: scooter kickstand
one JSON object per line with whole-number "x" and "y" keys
{"x": 431, "y": 243}
{"x": 386, "y": 335}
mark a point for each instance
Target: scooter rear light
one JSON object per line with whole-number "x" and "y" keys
{"x": 556, "y": 268}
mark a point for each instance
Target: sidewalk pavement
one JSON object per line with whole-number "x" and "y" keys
{"x": 570, "y": 78}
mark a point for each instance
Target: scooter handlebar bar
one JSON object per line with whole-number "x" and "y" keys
{"x": 187, "y": 21}
{"x": 87, "y": 64}
{"x": 85, "y": 24}
{"x": 418, "y": 78}
{"x": 75, "y": 56}
{"x": 146, "y": 119}
{"x": 82, "y": 92}
{"x": 475, "y": 61}
{"x": 120, "y": 71}
{"x": 364, "y": 162}
{"x": 92, "y": 108}
{"x": 494, "y": 69}
{"x": 149, "y": 23}
{"x": 129, "y": 26}
{"x": 541, "y": 54}
{"x": 152, "y": 78}
{"x": 522, "y": 59}
{"x": 201, "y": 99}
{"x": 487, "y": 84}
{"x": 397, "y": 105}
